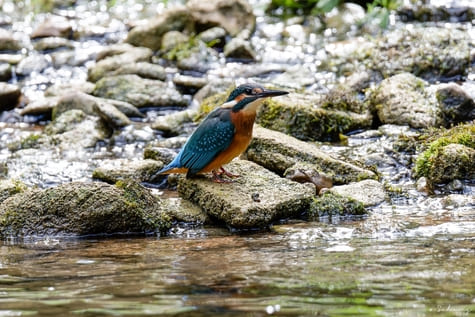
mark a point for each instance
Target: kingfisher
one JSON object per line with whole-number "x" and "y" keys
{"x": 224, "y": 134}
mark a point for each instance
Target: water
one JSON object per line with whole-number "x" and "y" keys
{"x": 412, "y": 256}
{"x": 304, "y": 269}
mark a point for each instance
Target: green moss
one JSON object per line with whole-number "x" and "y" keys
{"x": 212, "y": 102}
{"x": 463, "y": 134}
{"x": 182, "y": 50}
{"x": 331, "y": 204}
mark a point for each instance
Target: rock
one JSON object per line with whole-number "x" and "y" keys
{"x": 109, "y": 64}
{"x": 9, "y": 188}
{"x": 40, "y": 106}
{"x": 425, "y": 12}
{"x": 403, "y": 99}
{"x": 344, "y": 17}
{"x": 113, "y": 112}
{"x": 75, "y": 100}
{"x": 110, "y": 114}
{"x": 73, "y": 129}
{"x": 112, "y": 171}
{"x": 62, "y": 89}
{"x": 240, "y": 49}
{"x": 278, "y": 152}
{"x": 449, "y": 155}
{"x": 196, "y": 56}
{"x": 55, "y": 26}
{"x": 453, "y": 161}
{"x": 32, "y": 63}
{"x": 77, "y": 209}
{"x": 142, "y": 69}
{"x": 139, "y": 92}
{"x": 5, "y": 72}
{"x": 8, "y": 42}
{"x": 173, "y": 123}
{"x": 52, "y": 43}
{"x": 331, "y": 204}
{"x": 455, "y": 104}
{"x": 9, "y": 96}
{"x": 162, "y": 154}
{"x": 124, "y": 107}
{"x": 173, "y": 40}
{"x": 301, "y": 116}
{"x": 431, "y": 53}
{"x": 254, "y": 200}
{"x": 368, "y": 192}
{"x": 12, "y": 59}
{"x": 150, "y": 34}
{"x": 232, "y": 15}
{"x": 214, "y": 36}
{"x": 190, "y": 81}
{"x": 185, "y": 211}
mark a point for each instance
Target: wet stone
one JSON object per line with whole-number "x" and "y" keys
{"x": 32, "y": 63}
{"x": 76, "y": 209}
{"x": 173, "y": 39}
{"x": 157, "y": 153}
{"x": 110, "y": 114}
{"x": 369, "y": 192}
{"x": 139, "y": 92}
{"x": 9, "y": 96}
{"x": 239, "y": 49}
{"x": 52, "y": 43}
{"x": 142, "y": 69}
{"x": 9, "y": 188}
{"x": 278, "y": 152}
{"x": 139, "y": 170}
{"x": 254, "y": 200}
{"x": 232, "y": 15}
{"x": 40, "y": 106}
{"x": 455, "y": 104}
{"x": 5, "y": 72}
{"x": 404, "y": 99}
{"x": 55, "y": 26}
{"x": 215, "y": 36}
{"x": 8, "y": 42}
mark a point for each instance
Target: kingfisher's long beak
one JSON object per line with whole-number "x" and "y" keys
{"x": 271, "y": 93}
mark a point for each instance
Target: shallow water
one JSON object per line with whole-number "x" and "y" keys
{"x": 312, "y": 269}
{"x": 413, "y": 256}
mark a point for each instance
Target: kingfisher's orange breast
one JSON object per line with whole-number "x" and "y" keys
{"x": 243, "y": 123}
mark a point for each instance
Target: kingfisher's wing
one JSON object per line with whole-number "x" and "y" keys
{"x": 212, "y": 136}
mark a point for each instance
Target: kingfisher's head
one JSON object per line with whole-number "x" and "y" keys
{"x": 248, "y": 97}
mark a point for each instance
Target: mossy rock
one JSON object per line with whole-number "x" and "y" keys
{"x": 332, "y": 204}
{"x": 9, "y": 188}
{"x": 78, "y": 209}
{"x": 441, "y": 164}
{"x": 305, "y": 119}
{"x": 278, "y": 152}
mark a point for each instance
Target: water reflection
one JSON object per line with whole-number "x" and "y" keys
{"x": 299, "y": 269}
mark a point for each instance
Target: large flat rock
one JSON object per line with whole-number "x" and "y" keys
{"x": 277, "y": 152}
{"x": 256, "y": 199}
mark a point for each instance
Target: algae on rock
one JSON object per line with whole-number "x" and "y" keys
{"x": 76, "y": 209}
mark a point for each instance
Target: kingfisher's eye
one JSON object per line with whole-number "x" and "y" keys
{"x": 256, "y": 91}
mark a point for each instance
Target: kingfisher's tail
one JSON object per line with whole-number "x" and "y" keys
{"x": 173, "y": 167}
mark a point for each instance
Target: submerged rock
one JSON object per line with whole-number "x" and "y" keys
{"x": 278, "y": 152}
{"x": 114, "y": 170}
{"x": 77, "y": 209}
{"x": 404, "y": 99}
{"x": 9, "y": 96}
{"x": 303, "y": 117}
{"x": 254, "y": 200}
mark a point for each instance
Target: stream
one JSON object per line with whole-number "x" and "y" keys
{"x": 411, "y": 256}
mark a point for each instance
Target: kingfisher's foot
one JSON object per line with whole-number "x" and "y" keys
{"x": 218, "y": 179}
{"x": 228, "y": 174}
